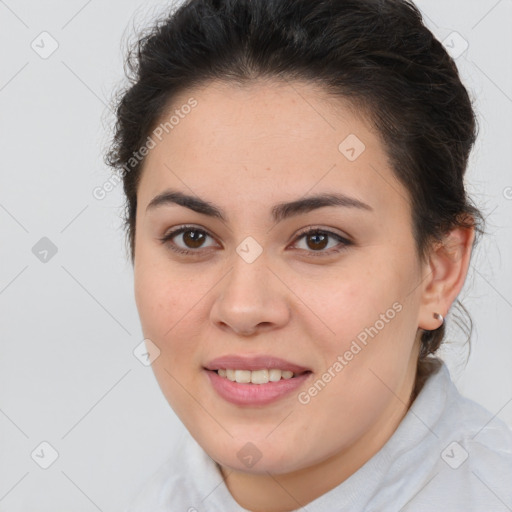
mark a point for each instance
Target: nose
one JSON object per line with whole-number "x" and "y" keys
{"x": 250, "y": 299}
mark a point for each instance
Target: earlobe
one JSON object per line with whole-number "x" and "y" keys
{"x": 446, "y": 271}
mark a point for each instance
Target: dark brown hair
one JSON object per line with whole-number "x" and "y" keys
{"x": 377, "y": 54}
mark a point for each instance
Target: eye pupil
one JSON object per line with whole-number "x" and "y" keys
{"x": 320, "y": 243}
{"x": 193, "y": 241}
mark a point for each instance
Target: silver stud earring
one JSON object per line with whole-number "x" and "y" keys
{"x": 440, "y": 317}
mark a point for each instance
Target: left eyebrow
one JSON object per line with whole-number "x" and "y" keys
{"x": 280, "y": 211}
{"x": 285, "y": 210}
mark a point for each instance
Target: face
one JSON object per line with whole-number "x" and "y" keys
{"x": 287, "y": 326}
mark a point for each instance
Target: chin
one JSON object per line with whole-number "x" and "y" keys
{"x": 254, "y": 457}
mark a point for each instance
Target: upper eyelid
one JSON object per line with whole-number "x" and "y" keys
{"x": 309, "y": 229}
{"x": 182, "y": 229}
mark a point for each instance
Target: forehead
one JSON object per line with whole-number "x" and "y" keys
{"x": 267, "y": 139}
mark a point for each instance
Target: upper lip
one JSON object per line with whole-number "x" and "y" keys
{"x": 255, "y": 362}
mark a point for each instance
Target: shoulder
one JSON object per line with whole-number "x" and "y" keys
{"x": 472, "y": 463}
{"x": 480, "y": 432}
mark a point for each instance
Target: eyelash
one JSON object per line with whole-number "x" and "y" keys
{"x": 310, "y": 231}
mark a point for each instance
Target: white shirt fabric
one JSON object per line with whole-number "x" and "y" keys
{"x": 448, "y": 454}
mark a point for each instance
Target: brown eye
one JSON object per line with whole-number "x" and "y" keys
{"x": 193, "y": 238}
{"x": 319, "y": 242}
{"x": 188, "y": 240}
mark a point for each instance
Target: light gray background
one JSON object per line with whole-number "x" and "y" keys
{"x": 69, "y": 325}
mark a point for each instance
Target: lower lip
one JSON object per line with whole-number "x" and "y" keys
{"x": 254, "y": 394}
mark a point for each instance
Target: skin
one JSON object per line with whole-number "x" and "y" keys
{"x": 245, "y": 149}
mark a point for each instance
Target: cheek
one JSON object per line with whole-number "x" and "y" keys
{"x": 155, "y": 303}
{"x": 165, "y": 302}
{"x": 162, "y": 293}
{"x": 374, "y": 321}
{"x": 171, "y": 307}
{"x": 366, "y": 314}
{"x": 160, "y": 304}
{"x": 349, "y": 299}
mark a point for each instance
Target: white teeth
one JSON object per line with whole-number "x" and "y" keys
{"x": 255, "y": 377}
{"x": 243, "y": 376}
{"x": 259, "y": 377}
{"x": 274, "y": 375}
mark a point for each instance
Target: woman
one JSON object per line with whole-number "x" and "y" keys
{"x": 300, "y": 230}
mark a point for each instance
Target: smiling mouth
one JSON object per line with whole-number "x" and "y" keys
{"x": 255, "y": 380}
{"x": 263, "y": 376}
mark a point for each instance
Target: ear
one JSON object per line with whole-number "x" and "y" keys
{"x": 444, "y": 274}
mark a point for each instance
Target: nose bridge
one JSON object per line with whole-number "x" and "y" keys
{"x": 247, "y": 283}
{"x": 248, "y": 299}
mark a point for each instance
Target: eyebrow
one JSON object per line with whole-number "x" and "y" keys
{"x": 280, "y": 211}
